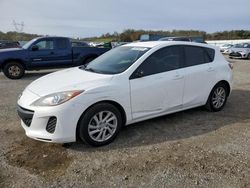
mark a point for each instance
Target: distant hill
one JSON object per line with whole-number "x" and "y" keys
{"x": 133, "y": 35}
{"x": 15, "y": 36}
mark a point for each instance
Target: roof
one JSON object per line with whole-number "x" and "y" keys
{"x": 153, "y": 44}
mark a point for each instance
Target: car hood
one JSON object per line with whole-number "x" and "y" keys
{"x": 240, "y": 49}
{"x": 66, "y": 80}
{"x": 11, "y": 50}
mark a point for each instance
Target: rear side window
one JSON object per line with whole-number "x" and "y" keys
{"x": 210, "y": 53}
{"x": 62, "y": 43}
{"x": 163, "y": 60}
{"x": 195, "y": 55}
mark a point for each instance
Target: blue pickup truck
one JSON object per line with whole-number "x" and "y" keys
{"x": 45, "y": 53}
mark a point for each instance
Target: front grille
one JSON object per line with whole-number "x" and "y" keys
{"x": 235, "y": 54}
{"x": 26, "y": 115}
{"x": 51, "y": 125}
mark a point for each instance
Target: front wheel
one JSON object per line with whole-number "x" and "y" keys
{"x": 13, "y": 70}
{"x": 100, "y": 124}
{"x": 217, "y": 98}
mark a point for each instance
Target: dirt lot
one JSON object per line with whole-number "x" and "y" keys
{"x": 194, "y": 148}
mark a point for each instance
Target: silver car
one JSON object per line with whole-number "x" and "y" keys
{"x": 241, "y": 50}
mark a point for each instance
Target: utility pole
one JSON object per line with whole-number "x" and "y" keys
{"x": 18, "y": 28}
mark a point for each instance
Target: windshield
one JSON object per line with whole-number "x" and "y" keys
{"x": 116, "y": 61}
{"x": 27, "y": 45}
{"x": 242, "y": 45}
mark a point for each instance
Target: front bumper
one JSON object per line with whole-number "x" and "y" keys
{"x": 50, "y": 124}
{"x": 238, "y": 55}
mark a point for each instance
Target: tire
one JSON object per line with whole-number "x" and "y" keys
{"x": 13, "y": 70}
{"x": 217, "y": 98}
{"x": 99, "y": 134}
{"x": 248, "y": 57}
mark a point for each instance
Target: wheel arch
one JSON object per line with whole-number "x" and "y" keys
{"x": 114, "y": 103}
{"x": 226, "y": 83}
{"x": 12, "y": 60}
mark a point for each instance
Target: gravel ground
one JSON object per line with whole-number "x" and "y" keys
{"x": 194, "y": 148}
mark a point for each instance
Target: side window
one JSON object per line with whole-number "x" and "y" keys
{"x": 45, "y": 45}
{"x": 163, "y": 60}
{"x": 209, "y": 54}
{"x": 62, "y": 43}
{"x": 195, "y": 55}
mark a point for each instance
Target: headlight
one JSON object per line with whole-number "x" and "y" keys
{"x": 243, "y": 52}
{"x": 56, "y": 98}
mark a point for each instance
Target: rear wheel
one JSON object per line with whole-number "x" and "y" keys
{"x": 100, "y": 124}
{"x": 13, "y": 70}
{"x": 217, "y": 98}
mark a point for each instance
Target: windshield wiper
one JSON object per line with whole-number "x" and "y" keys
{"x": 83, "y": 67}
{"x": 89, "y": 69}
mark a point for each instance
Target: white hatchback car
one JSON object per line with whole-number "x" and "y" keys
{"x": 128, "y": 84}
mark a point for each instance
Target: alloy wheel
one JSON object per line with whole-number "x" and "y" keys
{"x": 219, "y": 97}
{"x": 102, "y": 126}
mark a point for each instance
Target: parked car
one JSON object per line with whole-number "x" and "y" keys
{"x": 45, "y": 53}
{"x": 9, "y": 44}
{"x": 187, "y": 39}
{"x": 128, "y": 84}
{"x": 225, "y": 49}
{"x": 79, "y": 44}
{"x": 240, "y": 51}
{"x": 176, "y": 39}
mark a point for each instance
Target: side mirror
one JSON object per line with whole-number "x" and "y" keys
{"x": 34, "y": 48}
{"x": 138, "y": 74}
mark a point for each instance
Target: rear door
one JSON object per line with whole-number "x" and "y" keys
{"x": 63, "y": 54}
{"x": 199, "y": 73}
{"x": 157, "y": 84}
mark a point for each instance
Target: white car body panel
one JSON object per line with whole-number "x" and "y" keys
{"x": 159, "y": 93}
{"x": 141, "y": 98}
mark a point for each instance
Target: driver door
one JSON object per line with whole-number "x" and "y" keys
{"x": 157, "y": 84}
{"x": 43, "y": 55}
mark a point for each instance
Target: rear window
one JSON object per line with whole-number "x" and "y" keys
{"x": 62, "y": 43}
{"x": 195, "y": 55}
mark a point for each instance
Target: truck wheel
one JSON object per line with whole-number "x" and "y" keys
{"x": 13, "y": 70}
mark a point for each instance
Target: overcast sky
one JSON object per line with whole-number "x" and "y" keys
{"x": 84, "y": 18}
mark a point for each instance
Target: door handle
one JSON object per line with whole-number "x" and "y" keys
{"x": 52, "y": 53}
{"x": 177, "y": 77}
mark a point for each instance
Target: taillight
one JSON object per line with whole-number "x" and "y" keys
{"x": 231, "y": 65}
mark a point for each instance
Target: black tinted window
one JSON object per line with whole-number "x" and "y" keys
{"x": 210, "y": 53}
{"x": 62, "y": 43}
{"x": 198, "y": 55}
{"x": 165, "y": 59}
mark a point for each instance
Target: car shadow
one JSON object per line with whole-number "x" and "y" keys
{"x": 181, "y": 125}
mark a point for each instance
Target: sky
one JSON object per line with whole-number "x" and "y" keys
{"x": 87, "y": 18}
